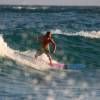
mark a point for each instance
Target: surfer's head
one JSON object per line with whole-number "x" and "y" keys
{"x": 48, "y": 34}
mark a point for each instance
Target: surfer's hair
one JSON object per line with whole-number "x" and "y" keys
{"x": 48, "y": 33}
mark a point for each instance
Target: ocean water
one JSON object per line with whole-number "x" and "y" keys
{"x": 76, "y": 31}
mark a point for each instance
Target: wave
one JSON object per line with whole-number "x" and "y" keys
{"x": 92, "y": 34}
{"x": 77, "y": 9}
{"x": 29, "y": 8}
{"x": 87, "y": 34}
{"x": 24, "y": 8}
{"x": 24, "y": 58}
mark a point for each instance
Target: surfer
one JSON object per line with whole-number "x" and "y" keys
{"x": 45, "y": 41}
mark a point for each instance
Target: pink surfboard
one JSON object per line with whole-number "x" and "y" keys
{"x": 57, "y": 65}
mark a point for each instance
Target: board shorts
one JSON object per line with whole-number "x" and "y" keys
{"x": 41, "y": 51}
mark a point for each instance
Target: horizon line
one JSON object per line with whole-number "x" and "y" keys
{"x": 48, "y": 5}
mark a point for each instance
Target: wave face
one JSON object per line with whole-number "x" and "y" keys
{"x": 73, "y": 48}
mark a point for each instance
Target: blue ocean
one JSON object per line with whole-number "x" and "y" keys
{"x": 76, "y": 31}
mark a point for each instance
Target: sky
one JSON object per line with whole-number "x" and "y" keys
{"x": 51, "y": 2}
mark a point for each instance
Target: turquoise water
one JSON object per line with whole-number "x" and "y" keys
{"x": 76, "y": 31}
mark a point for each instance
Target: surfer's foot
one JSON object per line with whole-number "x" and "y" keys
{"x": 51, "y": 64}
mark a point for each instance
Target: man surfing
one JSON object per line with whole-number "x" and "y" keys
{"x": 45, "y": 41}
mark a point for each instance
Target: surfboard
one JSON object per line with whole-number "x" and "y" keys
{"x": 58, "y": 65}
{"x": 41, "y": 63}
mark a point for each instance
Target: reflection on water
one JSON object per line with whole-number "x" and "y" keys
{"x": 23, "y": 83}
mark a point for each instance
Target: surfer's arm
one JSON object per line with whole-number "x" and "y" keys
{"x": 54, "y": 45}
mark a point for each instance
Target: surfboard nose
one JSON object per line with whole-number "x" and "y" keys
{"x": 74, "y": 66}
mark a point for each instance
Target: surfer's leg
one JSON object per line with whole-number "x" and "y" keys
{"x": 49, "y": 56}
{"x": 50, "y": 59}
{"x": 38, "y": 53}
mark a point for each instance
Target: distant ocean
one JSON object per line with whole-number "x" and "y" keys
{"x": 76, "y": 31}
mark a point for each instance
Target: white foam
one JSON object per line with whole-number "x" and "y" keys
{"x": 18, "y": 7}
{"x": 4, "y": 49}
{"x": 92, "y": 34}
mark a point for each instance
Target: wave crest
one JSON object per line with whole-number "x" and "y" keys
{"x": 92, "y": 34}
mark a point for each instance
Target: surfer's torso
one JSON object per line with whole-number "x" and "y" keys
{"x": 45, "y": 42}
